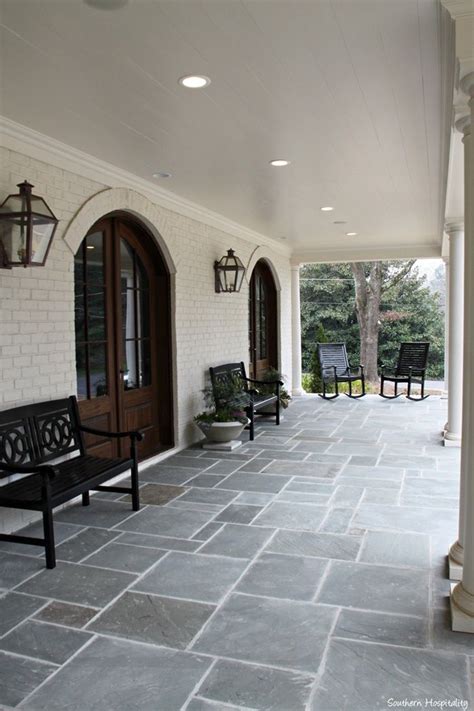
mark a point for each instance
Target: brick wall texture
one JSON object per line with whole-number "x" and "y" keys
{"x": 37, "y": 359}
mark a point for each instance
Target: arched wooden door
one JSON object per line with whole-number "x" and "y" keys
{"x": 262, "y": 321}
{"x": 123, "y": 336}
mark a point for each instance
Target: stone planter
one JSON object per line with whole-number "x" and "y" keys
{"x": 222, "y": 435}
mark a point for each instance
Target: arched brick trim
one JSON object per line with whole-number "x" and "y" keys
{"x": 126, "y": 200}
{"x": 265, "y": 254}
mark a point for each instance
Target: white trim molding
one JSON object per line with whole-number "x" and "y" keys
{"x": 17, "y": 137}
{"x": 368, "y": 254}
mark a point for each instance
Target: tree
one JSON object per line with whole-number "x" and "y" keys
{"x": 408, "y": 311}
{"x": 371, "y": 280}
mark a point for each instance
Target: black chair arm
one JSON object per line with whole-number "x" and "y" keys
{"x": 134, "y": 435}
{"x": 46, "y": 470}
{"x": 263, "y": 382}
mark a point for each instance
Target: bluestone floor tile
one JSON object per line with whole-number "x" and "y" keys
{"x": 256, "y": 687}
{"x": 237, "y": 513}
{"x": 81, "y": 584}
{"x": 64, "y": 613}
{"x": 237, "y": 541}
{"x": 241, "y": 481}
{"x": 85, "y": 543}
{"x": 376, "y": 587}
{"x": 157, "y": 620}
{"x": 158, "y": 494}
{"x": 380, "y": 627}
{"x": 130, "y": 559}
{"x": 19, "y": 677}
{"x": 208, "y": 496}
{"x": 100, "y": 513}
{"x": 403, "y": 549}
{"x": 365, "y": 676}
{"x": 276, "y": 632}
{"x": 283, "y": 576}
{"x": 14, "y": 569}
{"x": 15, "y": 607}
{"x": 120, "y": 675}
{"x": 303, "y": 517}
{"x": 167, "y": 521}
{"x": 192, "y": 576}
{"x": 43, "y": 641}
{"x": 319, "y": 545}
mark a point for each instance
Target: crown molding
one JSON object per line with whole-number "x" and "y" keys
{"x": 459, "y": 8}
{"x": 17, "y": 137}
{"x": 367, "y": 254}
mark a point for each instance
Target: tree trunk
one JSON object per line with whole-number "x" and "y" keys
{"x": 367, "y": 294}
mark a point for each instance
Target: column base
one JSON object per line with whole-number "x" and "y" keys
{"x": 298, "y": 392}
{"x": 455, "y": 561}
{"x": 461, "y": 620}
{"x": 451, "y": 439}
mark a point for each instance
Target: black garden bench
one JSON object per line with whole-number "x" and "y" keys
{"x": 32, "y": 440}
{"x": 222, "y": 375}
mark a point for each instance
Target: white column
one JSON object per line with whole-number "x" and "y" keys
{"x": 446, "y": 326}
{"x": 297, "y": 388}
{"x": 455, "y": 231}
{"x": 462, "y": 594}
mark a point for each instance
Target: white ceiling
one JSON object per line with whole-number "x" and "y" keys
{"x": 348, "y": 90}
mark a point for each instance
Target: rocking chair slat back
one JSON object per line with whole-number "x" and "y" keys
{"x": 412, "y": 355}
{"x": 333, "y": 355}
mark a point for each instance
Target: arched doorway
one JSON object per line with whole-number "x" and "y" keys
{"x": 123, "y": 335}
{"x": 262, "y": 320}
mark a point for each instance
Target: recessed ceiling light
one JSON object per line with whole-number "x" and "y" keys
{"x": 326, "y": 209}
{"x": 194, "y": 81}
{"x": 161, "y": 174}
{"x": 106, "y": 4}
{"x": 279, "y": 162}
{"x": 90, "y": 246}
{"x": 351, "y": 234}
{"x": 340, "y": 222}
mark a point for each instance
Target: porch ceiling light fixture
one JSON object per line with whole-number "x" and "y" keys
{"x": 27, "y": 227}
{"x": 229, "y": 273}
{"x": 194, "y": 81}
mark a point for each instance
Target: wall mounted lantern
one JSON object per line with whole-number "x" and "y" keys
{"x": 229, "y": 273}
{"x": 27, "y": 228}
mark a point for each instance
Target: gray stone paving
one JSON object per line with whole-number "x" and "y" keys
{"x": 305, "y": 571}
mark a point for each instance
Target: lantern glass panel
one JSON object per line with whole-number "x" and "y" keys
{"x": 41, "y": 235}
{"x": 39, "y": 206}
{"x": 13, "y": 236}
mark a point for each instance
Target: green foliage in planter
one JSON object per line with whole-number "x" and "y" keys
{"x": 225, "y": 403}
{"x": 272, "y": 375}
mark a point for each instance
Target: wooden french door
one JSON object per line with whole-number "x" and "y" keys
{"x": 122, "y": 320}
{"x": 262, "y": 321}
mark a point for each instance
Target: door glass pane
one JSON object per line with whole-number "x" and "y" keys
{"x": 81, "y": 370}
{"x": 79, "y": 312}
{"x": 98, "y": 369}
{"x": 143, "y": 313}
{"x": 95, "y": 258}
{"x": 96, "y": 313}
{"x": 130, "y": 365}
{"x": 142, "y": 276}
{"x": 145, "y": 363}
{"x": 128, "y": 314}
{"x": 126, "y": 265}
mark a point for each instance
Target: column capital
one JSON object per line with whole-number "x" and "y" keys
{"x": 453, "y": 226}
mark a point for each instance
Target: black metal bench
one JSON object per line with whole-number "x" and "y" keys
{"x": 32, "y": 439}
{"x": 335, "y": 368}
{"x": 410, "y": 369}
{"x": 235, "y": 372}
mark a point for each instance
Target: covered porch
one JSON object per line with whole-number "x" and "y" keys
{"x": 305, "y": 570}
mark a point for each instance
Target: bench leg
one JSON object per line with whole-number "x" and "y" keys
{"x": 49, "y": 539}
{"x": 277, "y": 413}
{"x": 86, "y": 498}
{"x": 251, "y": 426}
{"x": 134, "y": 477}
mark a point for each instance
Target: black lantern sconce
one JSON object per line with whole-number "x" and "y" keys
{"x": 229, "y": 273}
{"x": 27, "y": 228}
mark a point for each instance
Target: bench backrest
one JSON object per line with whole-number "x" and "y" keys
{"x": 223, "y": 378}
{"x": 40, "y": 432}
{"x": 412, "y": 355}
{"x": 333, "y": 354}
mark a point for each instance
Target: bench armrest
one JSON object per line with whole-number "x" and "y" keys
{"x": 138, "y": 436}
{"x": 43, "y": 469}
{"x": 264, "y": 382}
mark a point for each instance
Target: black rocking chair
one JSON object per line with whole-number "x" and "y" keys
{"x": 335, "y": 368}
{"x": 411, "y": 369}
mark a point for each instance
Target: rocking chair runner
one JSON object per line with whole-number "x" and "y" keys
{"x": 411, "y": 369}
{"x": 335, "y": 368}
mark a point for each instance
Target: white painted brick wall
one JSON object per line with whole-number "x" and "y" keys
{"x": 37, "y": 359}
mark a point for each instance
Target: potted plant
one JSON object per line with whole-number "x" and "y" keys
{"x": 271, "y": 375}
{"x": 224, "y": 417}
